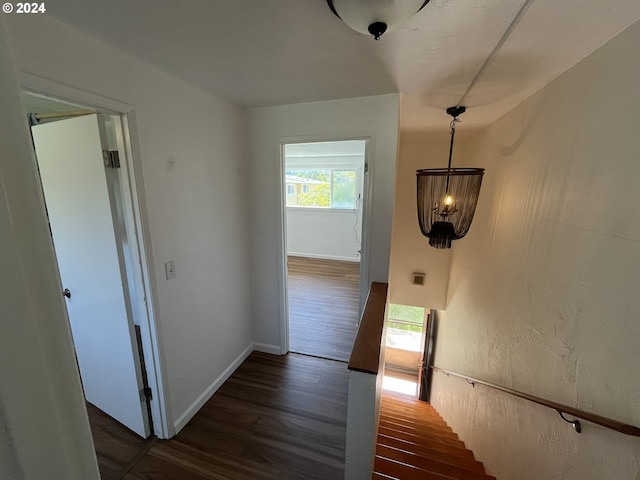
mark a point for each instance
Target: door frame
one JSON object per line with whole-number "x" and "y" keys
{"x": 365, "y": 257}
{"x": 132, "y": 194}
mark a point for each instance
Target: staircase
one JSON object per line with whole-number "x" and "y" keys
{"x": 414, "y": 442}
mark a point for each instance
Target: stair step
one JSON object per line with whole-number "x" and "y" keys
{"x": 377, "y": 475}
{"x": 432, "y": 449}
{"x": 412, "y": 414}
{"x": 466, "y": 461}
{"x": 419, "y": 438}
{"x": 429, "y": 464}
{"x": 400, "y": 424}
{"x": 414, "y": 442}
{"x": 405, "y": 472}
{"x": 408, "y": 472}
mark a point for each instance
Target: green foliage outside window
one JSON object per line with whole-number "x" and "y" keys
{"x": 408, "y": 318}
{"x": 338, "y": 189}
{"x": 318, "y": 196}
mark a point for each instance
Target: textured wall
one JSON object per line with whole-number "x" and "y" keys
{"x": 543, "y": 294}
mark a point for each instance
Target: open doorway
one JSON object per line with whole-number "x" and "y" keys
{"x": 86, "y": 180}
{"x": 404, "y": 348}
{"x": 324, "y": 197}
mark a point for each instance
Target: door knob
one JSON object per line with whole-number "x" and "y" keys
{"x": 67, "y": 293}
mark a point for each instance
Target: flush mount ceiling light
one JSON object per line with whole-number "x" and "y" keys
{"x": 447, "y": 197}
{"x": 375, "y": 16}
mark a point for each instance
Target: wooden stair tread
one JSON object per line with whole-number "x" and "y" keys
{"x": 405, "y": 472}
{"x": 409, "y": 472}
{"x": 414, "y": 442}
{"x": 420, "y": 438}
{"x": 466, "y": 461}
{"x": 399, "y": 423}
{"x": 429, "y": 464}
{"x": 377, "y": 475}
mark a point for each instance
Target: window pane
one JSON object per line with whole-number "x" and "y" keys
{"x": 404, "y": 327}
{"x": 343, "y": 189}
{"x": 311, "y": 187}
{"x": 406, "y": 313}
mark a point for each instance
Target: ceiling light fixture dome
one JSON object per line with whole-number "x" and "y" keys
{"x": 375, "y": 16}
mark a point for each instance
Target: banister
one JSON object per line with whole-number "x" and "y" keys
{"x": 558, "y": 407}
{"x": 365, "y": 356}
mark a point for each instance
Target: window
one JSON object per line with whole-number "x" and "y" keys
{"x": 324, "y": 187}
{"x": 291, "y": 189}
{"x": 343, "y": 189}
{"x": 404, "y": 327}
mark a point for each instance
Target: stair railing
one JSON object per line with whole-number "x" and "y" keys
{"x": 558, "y": 407}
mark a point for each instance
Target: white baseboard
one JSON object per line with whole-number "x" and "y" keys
{"x": 324, "y": 257}
{"x": 266, "y": 348}
{"x": 211, "y": 389}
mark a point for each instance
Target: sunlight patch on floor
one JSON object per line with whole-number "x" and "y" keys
{"x": 400, "y": 385}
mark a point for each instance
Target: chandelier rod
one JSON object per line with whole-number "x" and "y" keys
{"x": 495, "y": 50}
{"x": 453, "y": 133}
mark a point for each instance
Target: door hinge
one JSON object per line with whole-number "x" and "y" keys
{"x": 146, "y": 394}
{"x": 366, "y": 168}
{"x": 111, "y": 158}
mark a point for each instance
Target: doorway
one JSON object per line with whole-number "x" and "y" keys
{"x": 324, "y": 185}
{"x": 404, "y": 348}
{"x": 87, "y": 178}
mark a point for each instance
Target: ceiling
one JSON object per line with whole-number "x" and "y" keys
{"x": 272, "y": 52}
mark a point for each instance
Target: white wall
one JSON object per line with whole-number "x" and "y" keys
{"x": 373, "y": 117}
{"x": 316, "y": 233}
{"x": 43, "y": 423}
{"x": 543, "y": 295}
{"x": 191, "y": 165}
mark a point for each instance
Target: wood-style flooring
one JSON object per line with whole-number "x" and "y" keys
{"x": 323, "y": 306}
{"x": 117, "y": 447}
{"x": 276, "y": 418}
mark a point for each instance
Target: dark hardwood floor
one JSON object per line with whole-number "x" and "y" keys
{"x": 276, "y": 417}
{"x": 117, "y": 447}
{"x": 323, "y": 306}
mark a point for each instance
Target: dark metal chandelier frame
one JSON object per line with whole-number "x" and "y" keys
{"x": 447, "y": 197}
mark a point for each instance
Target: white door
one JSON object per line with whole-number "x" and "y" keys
{"x": 81, "y": 215}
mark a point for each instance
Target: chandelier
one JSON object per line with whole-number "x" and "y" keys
{"x": 447, "y": 197}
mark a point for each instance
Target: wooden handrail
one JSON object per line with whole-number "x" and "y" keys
{"x": 365, "y": 356}
{"x": 590, "y": 417}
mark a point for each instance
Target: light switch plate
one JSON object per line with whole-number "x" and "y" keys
{"x": 170, "y": 269}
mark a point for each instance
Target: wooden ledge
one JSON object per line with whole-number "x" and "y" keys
{"x": 365, "y": 356}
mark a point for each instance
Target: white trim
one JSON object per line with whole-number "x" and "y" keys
{"x": 160, "y": 403}
{"x": 189, "y": 413}
{"x": 148, "y": 327}
{"x": 367, "y": 208}
{"x": 325, "y": 257}
{"x": 266, "y": 348}
{"x": 51, "y": 88}
{"x": 307, "y": 208}
{"x": 281, "y": 222}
